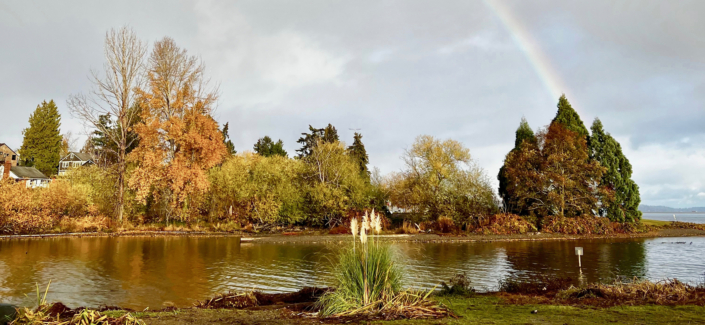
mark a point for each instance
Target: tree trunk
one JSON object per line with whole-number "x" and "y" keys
{"x": 121, "y": 183}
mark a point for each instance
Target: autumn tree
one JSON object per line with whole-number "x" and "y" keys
{"x": 68, "y": 142}
{"x": 441, "y": 179}
{"x": 179, "y": 140}
{"x": 257, "y": 189}
{"x": 334, "y": 184}
{"x": 265, "y": 147}
{"x": 41, "y": 144}
{"x": 523, "y": 133}
{"x": 229, "y": 146}
{"x": 623, "y": 205}
{"x": 358, "y": 152}
{"x": 554, "y": 175}
{"x": 308, "y": 140}
{"x": 109, "y": 108}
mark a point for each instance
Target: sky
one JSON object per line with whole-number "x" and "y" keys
{"x": 466, "y": 70}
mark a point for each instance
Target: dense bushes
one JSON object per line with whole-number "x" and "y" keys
{"x": 27, "y": 210}
{"x": 252, "y": 188}
{"x": 317, "y": 190}
{"x": 503, "y": 224}
{"x": 441, "y": 180}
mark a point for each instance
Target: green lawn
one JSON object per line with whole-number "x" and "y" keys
{"x": 655, "y": 222}
{"x": 477, "y": 310}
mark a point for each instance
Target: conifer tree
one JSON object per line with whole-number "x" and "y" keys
{"x": 523, "y": 133}
{"x": 265, "y": 147}
{"x": 330, "y": 134}
{"x": 41, "y": 145}
{"x": 569, "y": 118}
{"x": 623, "y": 203}
{"x": 308, "y": 140}
{"x": 226, "y": 140}
{"x": 358, "y": 152}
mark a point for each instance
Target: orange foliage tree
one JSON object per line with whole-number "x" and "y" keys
{"x": 179, "y": 140}
{"x": 554, "y": 176}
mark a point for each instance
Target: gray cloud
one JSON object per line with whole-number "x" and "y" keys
{"x": 398, "y": 69}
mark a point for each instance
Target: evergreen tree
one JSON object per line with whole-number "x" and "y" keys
{"x": 41, "y": 146}
{"x": 266, "y": 147}
{"x": 308, "y": 140}
{"x": 569, "y": 118}
{"x": 523, "y": 133}
{"x": 226, "y": 140}
{"x": 622, "y": 205}
{"x": 359, "y": 154}
{"x": 330, "y": 134}
{"x": 104, "y": 150}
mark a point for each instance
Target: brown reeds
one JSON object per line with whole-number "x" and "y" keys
{"x": 637, "y": 292}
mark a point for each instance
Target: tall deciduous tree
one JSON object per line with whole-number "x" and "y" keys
{"x": 554, "y": 176}
{"x": 334, "y": 183}
{"x": 623, "y": 206}
{"x": 41, "y": 145}
{"x": 523, "y": 133}
{"x": 179, "y": 140}
{"x": 441, "y": 179}
{"x": 265, "y": 147}
{"x": 109, "y": 107}
{"x": 569, "y": 118}
{"x": 358, "y": 152}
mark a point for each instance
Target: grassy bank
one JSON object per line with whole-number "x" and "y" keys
{"x": 308, "y": 235}
{"x": 481, "y": 309}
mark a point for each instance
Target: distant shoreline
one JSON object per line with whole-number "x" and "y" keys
{"x": 311, "y": 237}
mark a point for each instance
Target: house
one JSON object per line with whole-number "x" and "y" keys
{"x": 30, "y": 175}
{"x": 8, "y": 154}
{"x": 73, "y": 160}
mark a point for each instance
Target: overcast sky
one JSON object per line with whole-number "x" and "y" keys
{"x": 467, "y": 70}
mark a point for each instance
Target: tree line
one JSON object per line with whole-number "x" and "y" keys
{"x": 162, "y": 157}
{"x": 564, "y": 170}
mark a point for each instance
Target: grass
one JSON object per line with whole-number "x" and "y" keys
{"x": 479, "y": 309}
{"x": 366, "y": 275}
{"x": 657, "y": 223}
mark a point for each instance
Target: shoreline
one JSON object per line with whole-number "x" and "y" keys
{"x": 311, "y": 237}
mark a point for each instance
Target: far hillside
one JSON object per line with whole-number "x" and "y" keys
{"x": 660, "y": 208}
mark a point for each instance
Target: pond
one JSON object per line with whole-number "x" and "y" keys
{"x": 139, "y": 272}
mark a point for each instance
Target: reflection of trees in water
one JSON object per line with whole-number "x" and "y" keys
{"x": 146, "y": 271}
{"x": 131, "y": 272}
{"x": 279, "y": 267}
{"x": 429, "y": 264}
{"x": 603, "y": 260}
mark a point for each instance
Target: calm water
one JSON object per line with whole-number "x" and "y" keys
{"x": 148, "y": 272}
{"x": 695, "y": 217}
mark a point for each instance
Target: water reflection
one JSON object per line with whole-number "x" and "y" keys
{"x": 145, "y": 271}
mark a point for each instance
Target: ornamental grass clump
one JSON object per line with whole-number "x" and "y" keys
{"x": 366, "y": 274}
{"x": 369, "y": 282}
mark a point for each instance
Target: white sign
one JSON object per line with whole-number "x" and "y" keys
{"x": 578, "y": 251}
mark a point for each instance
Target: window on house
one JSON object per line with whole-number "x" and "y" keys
{"x": 14, "y": 157}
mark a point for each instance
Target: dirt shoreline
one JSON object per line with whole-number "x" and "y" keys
{"x": 310, "y": 237}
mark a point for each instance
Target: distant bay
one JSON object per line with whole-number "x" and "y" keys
{"x": 694, "y": 217}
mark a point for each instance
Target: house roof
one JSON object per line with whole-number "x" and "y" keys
{"x": 8, "y": 147}
{"x": 27, "y": 172}
{"x": 80, "y": 155}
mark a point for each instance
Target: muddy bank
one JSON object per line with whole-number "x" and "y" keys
{"x": 443, "y": 238}
{"x": 320, "y": 237}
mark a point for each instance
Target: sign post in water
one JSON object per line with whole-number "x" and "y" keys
{"x": 579, "y": 252}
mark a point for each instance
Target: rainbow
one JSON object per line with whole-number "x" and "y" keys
{"x": 530, "y": 47}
